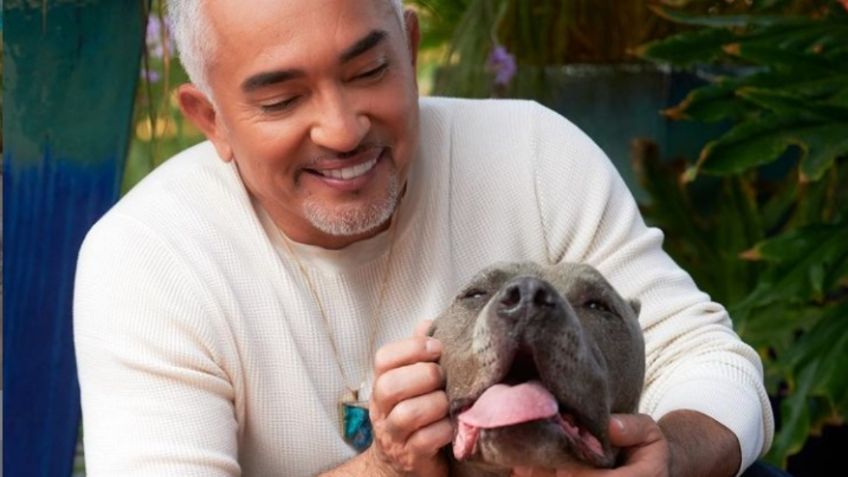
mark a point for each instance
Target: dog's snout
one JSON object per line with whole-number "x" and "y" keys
{"x": 522, "y": 296}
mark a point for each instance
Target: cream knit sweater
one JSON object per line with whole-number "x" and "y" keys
{"x": 202, "y": 353}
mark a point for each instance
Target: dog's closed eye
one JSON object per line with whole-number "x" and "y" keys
{"x": 597, "y": 305}
{"x": 474, "y": 293}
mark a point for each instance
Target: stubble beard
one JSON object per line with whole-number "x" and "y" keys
{"x": 348, "y": 220}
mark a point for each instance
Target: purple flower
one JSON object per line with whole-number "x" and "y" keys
{"x": 153, "y": 37}
{"x": 151, "y": 76}
{"x": 502, "y": 63}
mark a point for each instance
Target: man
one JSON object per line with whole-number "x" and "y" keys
{"x": 228, "y": 309}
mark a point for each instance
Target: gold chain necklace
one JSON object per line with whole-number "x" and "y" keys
{"x": 353, "y": 412}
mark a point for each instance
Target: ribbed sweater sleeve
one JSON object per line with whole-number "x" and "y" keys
{"x": 694, "y": 359}
{"x": 155, "y": 400}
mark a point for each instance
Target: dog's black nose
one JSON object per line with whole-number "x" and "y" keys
{"x": 523, "y": 296}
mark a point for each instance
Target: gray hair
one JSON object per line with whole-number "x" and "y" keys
{"x": 195, "y": 41}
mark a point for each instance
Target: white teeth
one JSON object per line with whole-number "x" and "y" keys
{"x": 347, "y": 173}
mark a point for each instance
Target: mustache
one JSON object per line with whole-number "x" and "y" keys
{"x": 365, "y": 147}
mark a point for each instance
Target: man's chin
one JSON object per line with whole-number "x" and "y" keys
{"x": 350, "y": 220}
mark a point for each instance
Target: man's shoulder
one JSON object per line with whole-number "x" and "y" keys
{"x": 190, "y": 191}
{"x": 492, "y": 122}
{"x": 480, "y": 109}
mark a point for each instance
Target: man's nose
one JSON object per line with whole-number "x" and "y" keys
{"x": 339, "y": 125}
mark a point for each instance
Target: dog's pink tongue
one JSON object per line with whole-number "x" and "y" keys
{"x": 502, "y": 405}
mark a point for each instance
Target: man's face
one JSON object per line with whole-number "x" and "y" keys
{"x": 317, "y": 105}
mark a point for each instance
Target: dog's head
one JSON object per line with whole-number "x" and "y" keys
{"x": 536, "y": 359}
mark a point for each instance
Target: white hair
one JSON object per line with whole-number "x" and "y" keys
{"x": 195, "y": 41}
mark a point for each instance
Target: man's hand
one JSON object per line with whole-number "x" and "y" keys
{"x": 684, "y": 443}
{"x": 409, "y": 408}
{"x": 645, "y": 448}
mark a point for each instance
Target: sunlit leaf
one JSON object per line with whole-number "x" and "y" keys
{"x": 690, "y": 48}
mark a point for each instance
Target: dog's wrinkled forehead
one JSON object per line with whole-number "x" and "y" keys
{"x": 562, "y": 276}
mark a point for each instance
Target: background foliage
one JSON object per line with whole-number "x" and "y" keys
{"x": 159, "y": 129}
{"x": 769, "y": 237}
{"x": 758, "y": 218}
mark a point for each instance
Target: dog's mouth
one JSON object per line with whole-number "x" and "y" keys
{"x": 519, "y": 398}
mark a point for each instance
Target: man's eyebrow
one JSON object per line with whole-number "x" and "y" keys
{"x": 366, "y": 43}
{"x": 260, "y": 80}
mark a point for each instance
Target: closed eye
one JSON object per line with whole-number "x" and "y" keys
{"x": 279, "y": 106}
{"x": 372, "y": 73}
{"x": 474, "y": 293}
{"x": 597, "y": 305}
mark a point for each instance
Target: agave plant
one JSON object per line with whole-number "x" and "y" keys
{"x": 773, "y": 247}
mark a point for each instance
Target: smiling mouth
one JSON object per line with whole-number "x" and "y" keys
{"x": 349, "y": 172}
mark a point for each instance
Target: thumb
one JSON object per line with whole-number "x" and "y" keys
{"x": 628, "y": 430}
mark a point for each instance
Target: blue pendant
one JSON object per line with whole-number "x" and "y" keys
{"x": 356, "y": 425}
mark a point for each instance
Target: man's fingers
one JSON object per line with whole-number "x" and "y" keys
{"x": 407, "y": 382}
{"x": 627, "y": 430}
{"x": 416, "y": 413}
{"x": 406, "y": 352}
{"x": 429, "y": 439}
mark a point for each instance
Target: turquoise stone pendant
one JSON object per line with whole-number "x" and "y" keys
{"x": 356, "y": 425}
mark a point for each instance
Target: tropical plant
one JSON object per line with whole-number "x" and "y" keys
{"x": 511, "y": 47}
{"x": 760, "y": 218}
{"x": 487, "y": 39}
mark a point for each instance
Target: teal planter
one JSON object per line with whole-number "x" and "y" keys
{"x": 70, "y": 70}
{"x": 615, "y": 104}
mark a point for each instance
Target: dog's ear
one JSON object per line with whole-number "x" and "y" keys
{"x": 636, "y": 305}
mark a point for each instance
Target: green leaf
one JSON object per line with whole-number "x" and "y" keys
{"x": 814, "y": 368}
{"x": 798, "y": 244}
{"x": 795, "y": 255}
{"x": 782, "y": 58}
{"x": 711, "y": 103}
{"x": 747, "y": 145}
{"x": 822, "y": 145}
{"x": 762, "y": 140}
{"x": 784, "y": 104}
{"x": 719, "y": 21}
{"x": 795, "y": 417}
{"x": 718, "y": 101}
{"x": 739, "y": 227}
{"x": 809, "y": 35}
{"x": 689, "y": 48}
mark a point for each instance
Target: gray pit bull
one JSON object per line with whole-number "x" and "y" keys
{"x": 536, "y": 358}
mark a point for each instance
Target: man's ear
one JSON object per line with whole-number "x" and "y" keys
{"x": 413, "y": 34}
{"x": 201, "y": 112}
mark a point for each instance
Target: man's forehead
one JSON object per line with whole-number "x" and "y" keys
{"x": 290, "y": 16}
{"x": 273, "y": 35}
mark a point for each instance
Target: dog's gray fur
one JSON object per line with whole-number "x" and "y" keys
{"x": 583, "y": 339}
